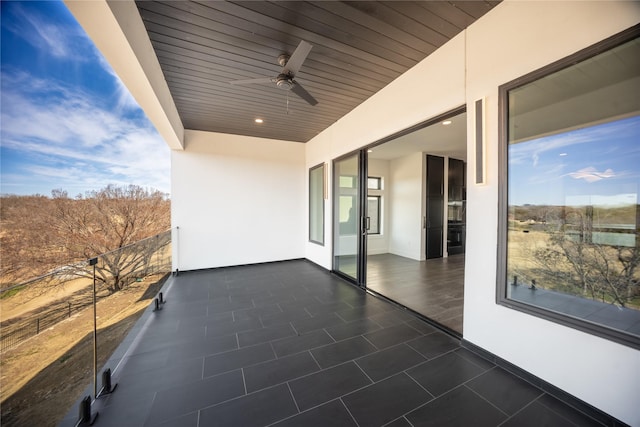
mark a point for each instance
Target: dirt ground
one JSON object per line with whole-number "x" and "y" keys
{"x": 43, "y": 377}
{"x": 35, "y": 297}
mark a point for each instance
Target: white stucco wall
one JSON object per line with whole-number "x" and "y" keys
{"x": 525, "y": 36}
{"x": 513, "y": 39}
{"x": 237, "y": 200}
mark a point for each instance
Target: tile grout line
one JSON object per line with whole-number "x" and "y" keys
{"x": 374, "y": 346}
{"x": 314, "y": 359}
{"x": 348, "y": 411}
{"x": 420, "y": 385}
{"x": 244, "y": 381}
{"x": 559, "y": 414}
{"x": 484, "y": 398}
{"x": 292, "y": 396}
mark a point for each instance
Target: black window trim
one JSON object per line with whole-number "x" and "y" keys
{"x": 503, "y": 204}
{"x": 379, "y": 197}
{"x": 311, "y": 169}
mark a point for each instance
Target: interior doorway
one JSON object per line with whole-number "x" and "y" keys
{"x": 416, "y": 256}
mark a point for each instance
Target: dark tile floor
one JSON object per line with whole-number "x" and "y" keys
{"x": 433, "y": 288}
{"x": 288, "y": 344}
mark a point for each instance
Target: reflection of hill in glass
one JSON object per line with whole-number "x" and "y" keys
{"x": 624, "y": 217}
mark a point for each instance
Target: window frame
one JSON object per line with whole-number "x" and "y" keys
{"x": 378, "y": 180}
{"x": 321, "y": 166}
{"x": 379, "y": 222}
{"x": 503, "y": 187}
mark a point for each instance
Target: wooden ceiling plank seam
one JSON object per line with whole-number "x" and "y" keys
{"x": 294, "y": 124}
{"x": 264, "y": 97}
{"x": 457, "y": 17}
{"x": 357, "y": 29}
{"x": 311, "y": 83}
{"x": 216, "y": 50}
{"x": 335, "y": 103}
{"x": 224, "y": 58}
{"x": 358, "y": 47}
{"x": 321, "y": 70}
{"x": 473, "y": 8}
{"x": 413, "y": 12}
{"x": 226, "y": 75}
{"x": 402, "y": 21}
{"x": 278, "y": 13}
{"x": 272, "y": 103}
{"x": 228, "y": 121}
{"x": 191, "y": 29}
{"x": 388, "y": 30}
{"x": 277, "y": 36}
{"x": 309, "y": 36}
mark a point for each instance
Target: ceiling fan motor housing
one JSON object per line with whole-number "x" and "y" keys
{"x": 285, "y": 82}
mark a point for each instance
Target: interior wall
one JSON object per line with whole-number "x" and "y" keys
{"x": 503, "y": 45}
{"x": 406, "y": 234}
{"x": 237, "y": 200}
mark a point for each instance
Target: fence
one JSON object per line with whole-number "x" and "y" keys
{"x": 114, "y": 271}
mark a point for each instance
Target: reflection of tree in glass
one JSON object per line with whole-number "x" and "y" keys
{"x": 563, "y": 255}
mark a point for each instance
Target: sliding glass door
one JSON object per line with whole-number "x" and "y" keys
{"x": 349, "y": 242}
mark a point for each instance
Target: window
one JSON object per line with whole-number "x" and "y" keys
{"x": 374, "y": 204}
{"x": 373, "y": 210}
{"x": 374, "y": 183}
{"x": 569, "y": 205}
{"x": 316, "y": 204}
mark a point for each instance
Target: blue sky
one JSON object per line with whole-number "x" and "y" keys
{"x": 67, "y": 121}
{"x": 595, "y": 165}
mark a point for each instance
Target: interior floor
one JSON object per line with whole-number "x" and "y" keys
{"x": 288, "y": 344}
{"x": 433, "y": 288}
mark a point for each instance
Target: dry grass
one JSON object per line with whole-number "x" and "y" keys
{"x": 42, "y": 377}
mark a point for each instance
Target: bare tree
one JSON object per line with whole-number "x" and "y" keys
{"x": 107, "y": 222}
{"x": 41, "y": 234}
{"x": 574, "y": 262}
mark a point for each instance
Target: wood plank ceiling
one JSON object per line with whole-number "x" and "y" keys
{"x": 358, "y": 48}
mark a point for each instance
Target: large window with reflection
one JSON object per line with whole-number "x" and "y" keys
{"x": 316, "y": 204}
{"x": 570, "y": 191}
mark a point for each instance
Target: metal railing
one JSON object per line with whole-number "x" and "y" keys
{"x": 56, "y": 326}
{"x": 115, "y": 271}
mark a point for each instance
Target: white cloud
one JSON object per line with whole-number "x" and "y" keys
{"x": 529, "y": 152}
{"x": 58, "y": 40}
{"x": 591, "y": 174}
{"x": 71, "y": 140}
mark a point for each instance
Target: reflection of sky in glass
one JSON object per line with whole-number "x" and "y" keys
{"x": 600, "y": 162}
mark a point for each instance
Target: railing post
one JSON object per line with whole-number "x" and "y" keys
{"x": 93, "y": 262}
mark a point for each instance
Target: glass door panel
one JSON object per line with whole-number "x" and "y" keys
{"x": 346, "y": 242}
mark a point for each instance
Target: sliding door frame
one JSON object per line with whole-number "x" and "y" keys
{"x": 361, "y": 217}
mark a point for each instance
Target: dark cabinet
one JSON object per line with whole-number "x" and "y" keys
{"x": 456, "y": 207}
{"x": 435, "y": 206}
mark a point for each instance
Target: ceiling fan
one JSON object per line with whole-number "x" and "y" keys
{"x": 290, "y": 67}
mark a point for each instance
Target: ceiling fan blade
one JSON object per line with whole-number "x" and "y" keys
{"x": 297, "y": 58}
{"x": 252, "y": 81}
{"x": 302, "y": 93}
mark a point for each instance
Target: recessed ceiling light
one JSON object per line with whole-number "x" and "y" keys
{"x": 447, "y": 122}
{"x": 369, "y": 150}
{"x": 259, "y": 121}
